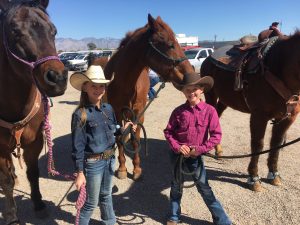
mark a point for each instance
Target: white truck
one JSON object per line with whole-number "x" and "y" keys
{"x": 78, "y": 63}
{"x": 196, "y": 56}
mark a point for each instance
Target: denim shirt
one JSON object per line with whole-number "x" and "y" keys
{"x": 96, "y": 135}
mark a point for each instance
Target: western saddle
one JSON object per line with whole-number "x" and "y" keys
{"x": 244, "y": 58}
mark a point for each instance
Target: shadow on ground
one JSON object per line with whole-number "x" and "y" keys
{"x": 144, "y": 199}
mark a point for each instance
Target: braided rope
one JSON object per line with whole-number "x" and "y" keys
{"x": 51, "y": 170}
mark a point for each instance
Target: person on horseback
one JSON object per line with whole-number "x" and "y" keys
{"x": 94, "y": 128}
{"x": 271, "y": 32}
{"x": 193, "y": 130}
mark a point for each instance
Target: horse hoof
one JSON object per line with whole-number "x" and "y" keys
{"x": 42, "y": 214}
{"x": 255, "y": 184}
{"x": 122, "y": 174}
{"x": 137, "y": 174}
{"x": 257, "y": 187}
{"x": 276, "y": 181}
{"x": 219, "y": 150}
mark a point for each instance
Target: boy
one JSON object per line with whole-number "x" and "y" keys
{"x": 193, "y": 130}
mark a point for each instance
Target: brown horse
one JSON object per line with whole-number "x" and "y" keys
{"x": 154, "y": 46}
{"x": 272, "y": 92}
{"x": 29, "y": 66}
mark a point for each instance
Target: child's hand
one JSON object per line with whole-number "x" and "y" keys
{"x": 193, "y": 153}
{"x": 184, "y": 150}
{"x": 134, "y": 126}
{"x": 80, "y": 180}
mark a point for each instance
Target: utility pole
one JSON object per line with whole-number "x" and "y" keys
{"x": 215, "y": 40}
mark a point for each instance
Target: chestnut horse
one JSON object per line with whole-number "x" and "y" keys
{"x": 29, "y": 67}
{"x": 154, "y": 46}
{"x": 272, "y": 92}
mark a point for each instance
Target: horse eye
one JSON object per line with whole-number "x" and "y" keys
{"x": 55, "y": 31}
{"x": 171, "y": 45}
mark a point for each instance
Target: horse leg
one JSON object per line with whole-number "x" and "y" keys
{"x": 220, "y": 107}
{"x": 278, "y": 137}
{"x": 122, "y": 171}
{"x": 137, "y": 170}
{"x": 7, "y": 183}
{"x": 258, "y": 124}
{"x": 212, "y": 99}
{"x": 31, "y": 156}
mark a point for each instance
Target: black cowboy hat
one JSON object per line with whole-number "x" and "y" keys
{"x": 275, "y": 23}
{"x": 194, "y": 79}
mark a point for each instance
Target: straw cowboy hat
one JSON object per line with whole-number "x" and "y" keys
{"x": 194, "y": 79}
{"x": 94, "y": 74}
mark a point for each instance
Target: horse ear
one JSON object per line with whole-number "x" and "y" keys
{"x": 152, "y": 23}
{"x": 44, "y": 3}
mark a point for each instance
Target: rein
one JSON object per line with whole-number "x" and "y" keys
{"x": 51, "y": 170}
{"x": 179, "y": 171}
{"x": 174, "y": 61}
{"x": 135, "y": 120}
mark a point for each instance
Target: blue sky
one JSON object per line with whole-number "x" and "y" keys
{"x": 227, "y": 19}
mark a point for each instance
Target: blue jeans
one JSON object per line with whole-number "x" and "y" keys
{"x": 218, "y": 214}
{"x": 99, "y": 174}
{"x": 153, "y": 82}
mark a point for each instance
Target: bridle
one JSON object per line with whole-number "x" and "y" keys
{"x": 31, "y": 65}
{"x": 16, "y": 128}
{"x": 173, "y": 61}
{"x": 10, "y": 54}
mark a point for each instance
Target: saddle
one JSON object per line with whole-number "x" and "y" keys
{"x": 242, "y": 59}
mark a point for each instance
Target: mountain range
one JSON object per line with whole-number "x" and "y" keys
{"x": 69, "y": 44}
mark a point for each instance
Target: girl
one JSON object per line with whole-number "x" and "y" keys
{"x": 94, "y": 128}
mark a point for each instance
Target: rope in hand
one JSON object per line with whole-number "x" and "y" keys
{"x": 51, "y": 169}
{"x": 135, "y": 119}
{"x": 179, "y": 172}
{"x": 253, "y": 154}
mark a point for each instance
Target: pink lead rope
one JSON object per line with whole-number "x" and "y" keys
{"x": 51, "y": 170}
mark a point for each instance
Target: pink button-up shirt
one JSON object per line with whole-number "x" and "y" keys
{"x": 197, "y": 127}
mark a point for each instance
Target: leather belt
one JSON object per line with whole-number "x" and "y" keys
{"x": 103, "y": 155}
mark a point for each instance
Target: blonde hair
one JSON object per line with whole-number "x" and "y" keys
{"x": 83, "y": 102}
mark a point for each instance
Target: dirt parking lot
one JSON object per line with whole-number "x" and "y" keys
{"x": 146, "y": 201}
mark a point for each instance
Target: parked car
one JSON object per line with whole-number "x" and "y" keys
{"x": 78, "y": 63}
{"x": 196, "y": 56}
{"x": 64, "y": 57}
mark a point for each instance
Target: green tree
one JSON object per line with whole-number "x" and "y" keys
{"x": 91, "y": 46}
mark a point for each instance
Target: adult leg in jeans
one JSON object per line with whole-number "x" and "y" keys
{"x": 175, "y": 193}
{"x": 93, "y": 172}
{"x": 200, "y": 178}
{"x": 105, "y": 199}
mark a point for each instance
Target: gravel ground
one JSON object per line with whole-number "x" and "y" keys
{"x": 146, "y": 201}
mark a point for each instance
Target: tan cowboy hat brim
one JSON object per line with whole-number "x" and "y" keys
{"x": 78, "y": 79}
{"x": 206, "y": 82}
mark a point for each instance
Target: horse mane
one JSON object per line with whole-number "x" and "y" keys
{"x": 296, "y": 35}
{"x": 131, "y": 35}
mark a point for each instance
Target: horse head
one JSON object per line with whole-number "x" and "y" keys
{"x": 165, "y": 55}
{"x": 28, "y": 39}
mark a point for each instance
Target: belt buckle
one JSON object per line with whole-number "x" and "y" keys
{"x": 104, "y": 155}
